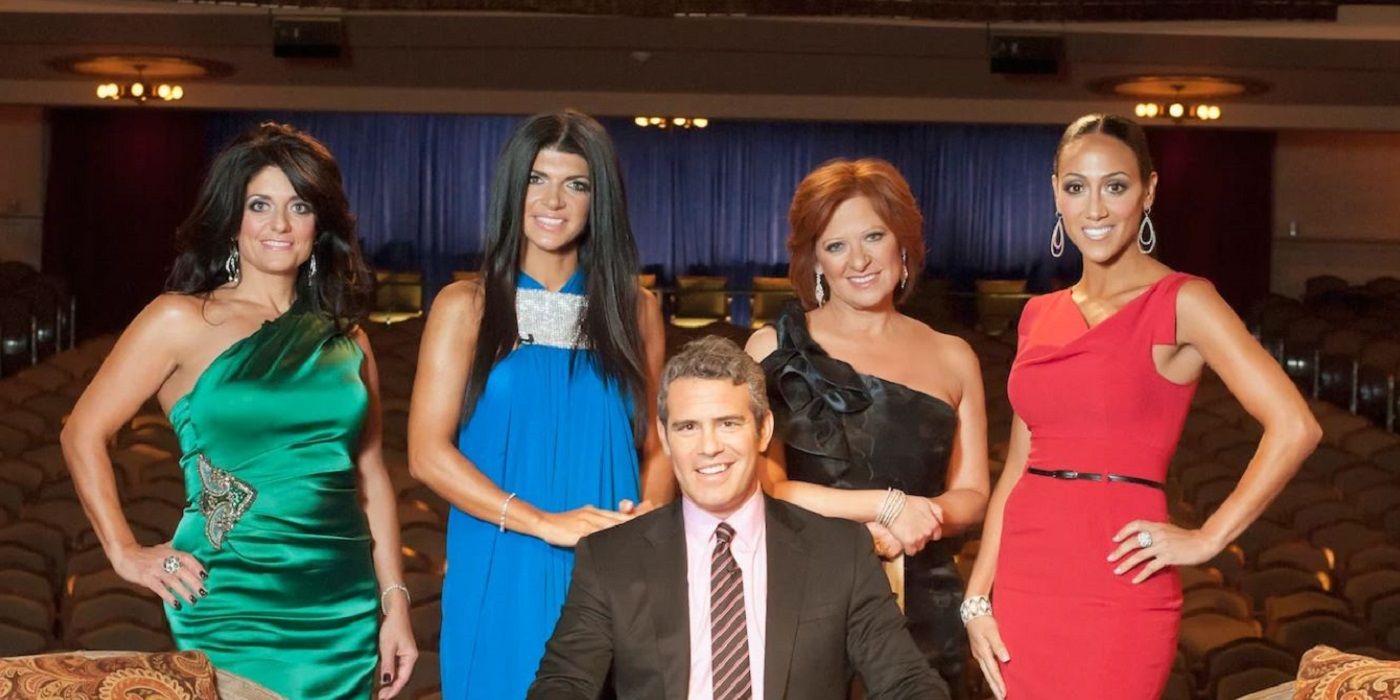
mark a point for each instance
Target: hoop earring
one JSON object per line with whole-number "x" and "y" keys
{"x": 1057, "y": 236}
{"x": 904, "y": 262}
{"x": 311, "y": 269}
{"x": 232, "y": 267}
{"x": 821, "y": 293}
{"x": 1148, "y": 243}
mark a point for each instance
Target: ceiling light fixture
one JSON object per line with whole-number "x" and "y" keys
{"x": 1177, "y": 111}
{"x": 672, "y": 122}
{"x": 1178, "y": 97}
{"x": 139, "y": 90}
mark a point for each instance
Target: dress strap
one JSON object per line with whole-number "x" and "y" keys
{"x": 1163, "y": 307}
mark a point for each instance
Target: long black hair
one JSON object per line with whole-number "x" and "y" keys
{"x": 607, "y": 254}
{"x": 342, "y": 286}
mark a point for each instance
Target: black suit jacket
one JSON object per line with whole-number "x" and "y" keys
{"x": 830, "y": 615}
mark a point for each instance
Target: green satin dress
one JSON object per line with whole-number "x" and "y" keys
{"x": 269, "y": 434}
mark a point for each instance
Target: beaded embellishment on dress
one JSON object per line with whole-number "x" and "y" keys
{"x": 549, "y": 318}
{"x": 223, "y": 500}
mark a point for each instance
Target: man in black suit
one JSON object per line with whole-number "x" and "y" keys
{"x": 728, "y": 594}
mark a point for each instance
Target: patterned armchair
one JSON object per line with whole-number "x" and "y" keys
{"x": 184, "y": 675}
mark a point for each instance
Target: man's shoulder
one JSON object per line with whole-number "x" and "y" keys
{"x": 814, "y": 525}
{"x": 627, "y": 534}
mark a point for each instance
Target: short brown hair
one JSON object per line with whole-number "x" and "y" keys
{"x": 713, "y": 357}
{"x": 834, "y": 182}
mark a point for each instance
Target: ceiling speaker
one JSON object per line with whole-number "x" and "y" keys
{"x": 1026, "y": 55}
{"x": 307, "y": 37}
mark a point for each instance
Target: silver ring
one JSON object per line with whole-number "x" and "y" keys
{"x": 171, "y": 564}
{"x": 1144, "y": 539}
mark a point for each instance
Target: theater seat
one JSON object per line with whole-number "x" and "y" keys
{"x": 125, "y": 636}
{"x": 1302, "y": 633}
{"x": 1205, "y": 632}
{"x": 1237, "y": 685}
{"x": 16, "y": 640}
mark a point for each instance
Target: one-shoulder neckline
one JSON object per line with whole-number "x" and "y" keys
{"x": 1084, "y": 320}
{"x": 225, "y": 354}
{"x": 815, "y": 346}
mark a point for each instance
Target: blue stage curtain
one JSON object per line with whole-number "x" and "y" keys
{"x": 711, "y": 200}
{"x": 417, "y": 183}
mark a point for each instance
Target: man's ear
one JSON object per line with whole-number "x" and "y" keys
{"x": 765, "y": 432}
{"x": 661, "y": 433}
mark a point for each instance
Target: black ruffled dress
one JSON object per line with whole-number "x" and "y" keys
{"x": 849, "y": 430}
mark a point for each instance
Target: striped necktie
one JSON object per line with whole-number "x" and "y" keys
{"x": 729, "y": 634}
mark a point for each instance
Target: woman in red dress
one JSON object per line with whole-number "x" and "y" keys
{"x": 1077, "y": 554}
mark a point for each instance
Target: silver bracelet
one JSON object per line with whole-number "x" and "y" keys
{"x": 884, "y": 506}
{"x": 505, "y": 505}
{"x": 390, "y": 589}
{"x": 975, "y": 607}
{"x": 890, "y": 507}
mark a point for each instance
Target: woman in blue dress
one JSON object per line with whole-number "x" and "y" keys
{"x": 556, "y": 349}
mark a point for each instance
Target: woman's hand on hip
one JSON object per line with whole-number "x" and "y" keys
{"x": 1158, "y": 545}
{"x": 168, "y": 572}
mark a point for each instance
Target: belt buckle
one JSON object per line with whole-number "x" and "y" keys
{"x": 1069, "y": 474}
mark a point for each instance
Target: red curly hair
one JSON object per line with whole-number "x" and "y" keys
{"x": 834, "y": 182}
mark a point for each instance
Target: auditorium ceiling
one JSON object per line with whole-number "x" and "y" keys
{"x": 946, "y": 10}
{"x": 820, "y": 59}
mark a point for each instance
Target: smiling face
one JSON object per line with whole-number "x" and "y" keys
{"x": 1101, "y": 195}
{"x": 278, "y": 227}
{"x": 714, "y": 442}
{"x": 556, "y": 201}
{"x": 859, "y": 255}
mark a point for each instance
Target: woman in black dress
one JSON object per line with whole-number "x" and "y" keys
{"x": 880, "y": 419}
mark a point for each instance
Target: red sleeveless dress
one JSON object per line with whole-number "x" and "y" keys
{"x": 1094, "y": 402}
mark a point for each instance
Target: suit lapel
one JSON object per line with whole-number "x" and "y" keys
{"x": 787, "y": 579}
{"x": 670, "y": 600}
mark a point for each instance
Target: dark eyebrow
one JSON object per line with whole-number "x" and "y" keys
{"x": 542, "y": 173}
{"x": 295, "y": 197}
{"x": 1112, "y": 174}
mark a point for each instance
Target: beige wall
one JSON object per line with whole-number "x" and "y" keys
{"x": 1336, "y": 207}
{"x": 23, "y": 140}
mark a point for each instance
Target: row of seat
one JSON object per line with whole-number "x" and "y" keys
{"x": 1232, "y": 603}
{"x": 1340, "y": 343}
{"x": 37, "y": 316}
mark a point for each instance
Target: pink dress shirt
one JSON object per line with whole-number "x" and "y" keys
{"x": 750, "y": 549}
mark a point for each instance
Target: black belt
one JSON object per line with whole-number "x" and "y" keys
{"x": 1095, "y": 476}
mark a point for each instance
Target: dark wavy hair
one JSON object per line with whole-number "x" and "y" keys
{"x": 606, "y": 249}
{"x": 342, "y": 287}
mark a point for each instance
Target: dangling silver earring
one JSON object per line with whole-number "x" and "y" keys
{"x": 821, "y": 293}
{"x": 1148, "y": 242}
{"x": 231, "y": 266}
{"x": 904, "y": 262}
{"x": 311, "y": 269}
{"x": 1057, "y": 236}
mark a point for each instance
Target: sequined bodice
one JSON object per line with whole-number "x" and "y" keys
{"x": 550, "y": 318}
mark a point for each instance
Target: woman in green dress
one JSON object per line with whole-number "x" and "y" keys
{"x": 289, "y": 547}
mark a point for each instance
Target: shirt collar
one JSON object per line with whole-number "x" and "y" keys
{"x": 748, "y": 521}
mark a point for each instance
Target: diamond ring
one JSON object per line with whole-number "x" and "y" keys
{"x": 171, "y": 564}
{"x": 1144, "y": 539}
